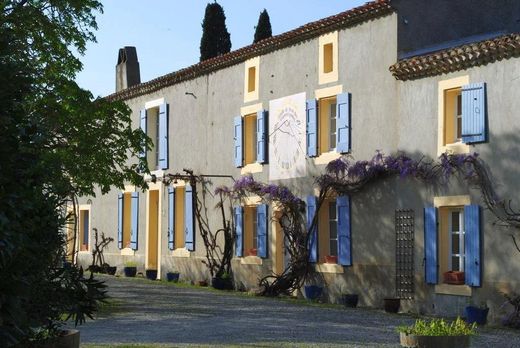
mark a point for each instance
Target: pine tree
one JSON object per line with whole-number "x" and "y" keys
{"x": 215, "y": 36}
{"x": 263, "y": 28}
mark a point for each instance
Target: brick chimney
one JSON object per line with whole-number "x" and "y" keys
{"x": 127, "y": 68}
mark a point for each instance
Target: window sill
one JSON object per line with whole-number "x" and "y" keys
{"x": 181, "y": 252}
{"x": 251, "y": 168}
{"x": 127, "y": 252}
{"x": 326, "y": 157}
{"x": 251, "y": 260}
{"x": 329, "y": 268}
{"x": 455, "y": 148}
{"x": 84, "y": 252}
{"x": 456, "y": 290}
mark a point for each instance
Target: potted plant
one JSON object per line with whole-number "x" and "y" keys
{"x": 130, "y": 269}
{"x": 437, "y": 333}
{"x": 223, "y": 282}
{"x": 312, "y": 292}
{"x": 392, "y": 305}
{"x": 453, "y": 277}
{"x": 476, "y": 314}
{"x": 350, "y": 300}
{"x": 331, "y": 259}
{"x": 202, "y": 283}
{"x": 173, "y": 276}
{"x": 151, "y": 274}
{"x": 252, "y": 252}
{"x": 512, "y": 319}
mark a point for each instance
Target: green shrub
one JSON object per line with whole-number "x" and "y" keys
{"x": 439, "y": 327}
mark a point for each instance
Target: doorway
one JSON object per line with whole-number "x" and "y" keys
{"x": 153, "y": 230}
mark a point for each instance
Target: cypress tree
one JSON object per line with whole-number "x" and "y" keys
{"x": 215, "y": 36}
{"x": 263, "y": 28}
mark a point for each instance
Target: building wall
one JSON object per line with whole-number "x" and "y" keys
{"x": 387, "y": 115}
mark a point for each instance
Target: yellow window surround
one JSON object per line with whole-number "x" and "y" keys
{"x": 325, "y": 96}
{"x": 447, "y": 98}
{"x": 328, "y": 58}
{"x": 251, "y": 79}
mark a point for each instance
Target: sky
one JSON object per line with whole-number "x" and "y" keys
{"x": 166, "y": 33}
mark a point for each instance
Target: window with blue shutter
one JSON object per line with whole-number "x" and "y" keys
{"x": 430, "y": 245}
{"x": 171, "y": 218}
{"x": 472, "y": 240}
{"x": 120, "y": 221}
{"x": 163, "y": 136}
{"x": 134, "y": 226}
{"x": 312, "y": 127}
{"x": 313, "y": 235}
{"x": 189, "y": 223}
{"x": 474, "y": 113}
{"x": 143, "y": 128}
{"x": 239, "y": 229}
{"x": 261, "y": 136}
{"x": 237, "y": 136}
{"x": 344, "y": 240}
{"x": 261, "y": 230}
{"x": 343, "y": 116}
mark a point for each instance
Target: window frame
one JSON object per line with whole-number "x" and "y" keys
{"x": 251, "y": 95}
{"x": 461, "y": 234}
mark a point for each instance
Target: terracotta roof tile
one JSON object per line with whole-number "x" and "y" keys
{"x": 370, "y": 10}
{"x": 458, "y": 58}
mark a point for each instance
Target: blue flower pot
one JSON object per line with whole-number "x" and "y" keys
{"x": 151, "y": 274}
{"x": 476, "y": 315}
{"x": 130, "y": 271}
{"x": 312, "y": 292}
{"x": 172, "y": 276}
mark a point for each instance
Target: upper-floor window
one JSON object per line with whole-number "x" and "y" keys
{"x": 328, "y": 58}
{"x": 251, "y": 79}
{"x": 462, "y": 114}
{"x": 250, "y": 138}
{"x": 154, "y": 122}
{"x": 327, "y": 125}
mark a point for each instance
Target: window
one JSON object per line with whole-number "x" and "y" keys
{"x": 328, "y": 58}
{"x": 328, "y": 120}
{"x": 250, "y": 234}
{"x": 84, "y": 229}
{"x": 250, "y": 141}
{"x": 331, "y": 242}
{"x": 251, "y": 230}
{"x": 181, "y": 218}
{"x": 251, "y": 79}
{"x": 453, "y": 116}
{"x": 456, "y": 238}
{"x": 462, "y": 114}
{"x": 127, "y": 220}
{"x": 327, "y": 125}
{"x": 154, "y": 122}
{"x": 452, "y": 235}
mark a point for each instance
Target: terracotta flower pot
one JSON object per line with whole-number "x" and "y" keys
{"x": 252, "y": 252}
{"x": 453, "y": 277}
{"x": 331, "y": 259}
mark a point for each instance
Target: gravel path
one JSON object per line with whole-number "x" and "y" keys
{"x": 159, "y": 313}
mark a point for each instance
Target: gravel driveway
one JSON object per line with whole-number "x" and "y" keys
{"x": 155, "y": 312}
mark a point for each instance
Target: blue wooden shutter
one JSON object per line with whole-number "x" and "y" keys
{"x": 430, "y": 245}
{"x": 344, "y": 241}
{"x": 261, "y": 136}
{"x": 134, "y": 227}
{"x": 189, "y": 223}
{"x": 312, "y": 128}
{"x": 171, "y": 218}
{"x": 163, "y": 136}
{"x": 120, "y": 200}
{"x": 474, "y": 127}
{"x": 472, "y": 264}
{"x": 143, "y": 124}
{"x": 261, "y": 230}
{"x": 239, "y": 227}
{"x": 313, "y": 237}
{"x": 237, "y": 136}
{"x": 343, "y": 112}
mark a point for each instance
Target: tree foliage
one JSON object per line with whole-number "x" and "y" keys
{"x": 215, "y": 39}
{"x": 263, "y": 28}
{"x": 56, "y": 142}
